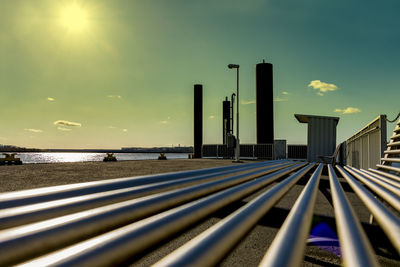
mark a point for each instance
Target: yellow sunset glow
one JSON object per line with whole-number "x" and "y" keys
{"x": 74, "y": 18}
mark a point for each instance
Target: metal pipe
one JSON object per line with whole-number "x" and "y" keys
{"x": 388, "y": 175}
{"x": 16, "y": 216}
{"x": 392, "y": 188}
{"x": 20, "y": 243}
{"x": 31, "y": 196}
{"x": 391, "y": 159}
{"x": 208, "y": 248}
{"x": 390, "y": 168}
{"x": 394, "y": 151}
{"x": 117, "y": 246}
{"x": 385, "y": 218}
{"x": 387, "y": 180}
{"x": 287, "y": 248}
{"x": 385, "y": 194}
{"x": 356, "y": 249}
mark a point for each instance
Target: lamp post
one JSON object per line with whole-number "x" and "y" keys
{"x": 237, "y": 149}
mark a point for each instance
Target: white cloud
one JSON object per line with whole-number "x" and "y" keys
{"x": 322, "y": 87}
{"x": 33, "y": 130}
{"x": 63, "y": 129}
{"x": 248, "y": 102}
{"x": 114, "y": 96}
{"x": 349, "y": 110}
{"x": 211, "y": 117}
{"x": 285, "y": 93}
{"x": 50, "y": 99}
{"x": 125, "y": 130}
{"x": 278, "y": 99}
{"x": 67, "y": 123}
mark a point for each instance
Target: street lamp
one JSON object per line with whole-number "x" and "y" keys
{"x": 237, "y": 149}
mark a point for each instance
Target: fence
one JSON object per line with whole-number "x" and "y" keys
{"x": 259, "y": 151}
{"x": 297, "y": 152}
{"x": 365, "y": 148}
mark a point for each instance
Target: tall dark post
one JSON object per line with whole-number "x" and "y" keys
{"x": 226, "y": 119}
{"x": 265, "y": 103}
{"x": 198, "y": 120}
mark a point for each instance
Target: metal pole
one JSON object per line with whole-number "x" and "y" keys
{"x": 237, "y": 152}
{"x": 32, "y": 196}
{"x": 119, "y": 245}
{"x": 354, "y": 244}
{"x": 38, "y": 212}
{"x": 386, "y": 174}
{"x": 392, "y": 188}
{"x": 24, "y": 242}
{"x": 386, "y": 219}
{"x": 208, "y": 248}
{"x": 287, "y": 249}
{"x": 385, "y": 194}
{"x": 388, "y": 180}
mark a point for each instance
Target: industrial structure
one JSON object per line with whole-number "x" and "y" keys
{"x": 198, "y": 120}
{"x": 264, "y": 103}
{"x": 321, "y": 135}
{"x": 227, "y": 119}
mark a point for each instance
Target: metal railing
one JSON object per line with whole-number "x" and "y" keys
{"x": 251, "y": 151}
{"x": 365, "y": 148}
{"x": 297, "y": 151}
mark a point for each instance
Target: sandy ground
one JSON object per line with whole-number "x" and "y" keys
{"x": 250, "y": 250}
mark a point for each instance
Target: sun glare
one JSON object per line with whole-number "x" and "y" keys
{"x": 74, "y": 18}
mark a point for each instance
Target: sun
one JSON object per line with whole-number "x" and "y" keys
{"x": 74, "y": 18}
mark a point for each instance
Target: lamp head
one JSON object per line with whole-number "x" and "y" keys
{"x": 233, "y": 66}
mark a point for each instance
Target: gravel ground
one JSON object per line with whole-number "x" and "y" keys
{"x": 27, "y": 176}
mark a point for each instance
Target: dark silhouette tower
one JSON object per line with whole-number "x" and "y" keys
{"x": 198, "y": 120}
{"x": 226, "y": 119}
{"x": 264, "y": 103}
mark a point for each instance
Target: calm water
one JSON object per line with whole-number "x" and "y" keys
{"x": 80, "y": 157}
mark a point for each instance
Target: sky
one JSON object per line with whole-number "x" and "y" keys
{"x": 111, "y": 74}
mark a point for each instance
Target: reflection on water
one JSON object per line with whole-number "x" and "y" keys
{"x": 80, "y": 157}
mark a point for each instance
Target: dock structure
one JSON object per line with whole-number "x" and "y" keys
{"x": 10, "y": 159}
{"x": 203, "y": 218}
{"x": 321, "y": 135}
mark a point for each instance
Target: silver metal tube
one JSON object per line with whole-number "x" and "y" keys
{"x": 388, "y": 175}
{"x": 117, "y": 246}
{"x": 31, "y": 196}
{"x": 287, "y": 248}
{"x": 394, "y": 151}
{"x": 208, "y": 248}
{"x": 390, "y": 168}
{"x": 385, "y": 194}
{"x": 16, "y": 216}
{"x": 385, "y": 218}
{"x": 356, "y": 249}
{"x": 391, "y": 159}
{"x": 20, "y": 243}
{"x": 392, "y": 188}
{"x": 387, "y": 180}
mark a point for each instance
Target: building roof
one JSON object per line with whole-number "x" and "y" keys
{"x": 305, "y": 118}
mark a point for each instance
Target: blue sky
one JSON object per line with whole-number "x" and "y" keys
{"x": 121, "y": 73}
